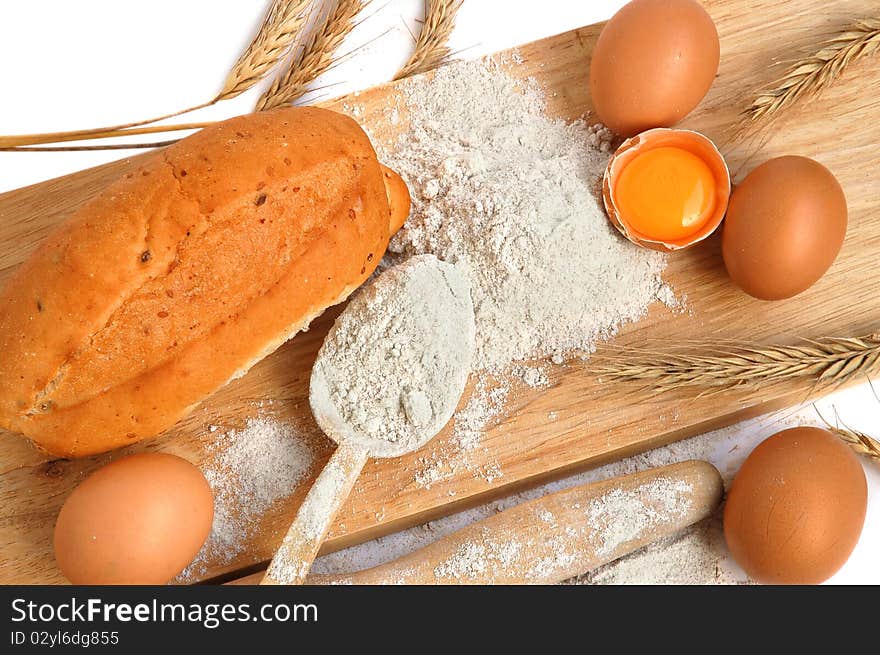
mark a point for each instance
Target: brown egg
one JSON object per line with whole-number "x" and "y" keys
{"x": 785, "y": 225}
{"x": 652, "y": 64}
{"x": 138, "y": 520}
{"x": 796, "y": 507}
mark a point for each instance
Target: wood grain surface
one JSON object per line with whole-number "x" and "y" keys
{"x": 593, "y": 422}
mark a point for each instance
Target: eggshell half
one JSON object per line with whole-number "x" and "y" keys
{"x": 694, "y": 142}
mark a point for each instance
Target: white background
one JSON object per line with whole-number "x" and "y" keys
{"x": 69, "y": 65}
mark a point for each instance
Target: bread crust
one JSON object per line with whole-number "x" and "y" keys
{"x": 186, "y": 272}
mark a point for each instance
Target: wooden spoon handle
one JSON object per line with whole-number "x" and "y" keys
{"x": 558, "y": 536}
{"x": 294, "y": 557}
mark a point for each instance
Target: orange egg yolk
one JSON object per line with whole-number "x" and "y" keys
{"x": 666, "y": 193}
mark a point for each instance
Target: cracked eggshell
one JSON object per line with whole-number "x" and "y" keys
{"x": 694, "y": 142}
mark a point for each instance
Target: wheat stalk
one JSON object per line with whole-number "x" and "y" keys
{"x": 828, "y": 361}
{"x": 810, "y": 76}
{"x": 17, "y": 140}
{"x": 315, "y": 58}
{"x": 112, "y": 146}
{"x": 108, "y": 134}
{"x": 281, "y": 27}
{"x": 431, "y": 49}
{"x": 856, "y": 439}
{"x": 275, "y": 37}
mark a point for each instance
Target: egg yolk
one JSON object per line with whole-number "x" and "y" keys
{"x": 666, "y": 193}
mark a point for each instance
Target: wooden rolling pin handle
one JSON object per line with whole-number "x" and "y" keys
{"x": 300, "y": 546}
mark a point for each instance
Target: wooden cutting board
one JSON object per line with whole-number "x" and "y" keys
{"x": 577, "y": 422}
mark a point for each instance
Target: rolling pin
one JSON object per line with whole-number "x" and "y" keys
{"x": 557, "y": 536}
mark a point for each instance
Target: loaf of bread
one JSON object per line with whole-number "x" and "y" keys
{"x": 186, "y": 272}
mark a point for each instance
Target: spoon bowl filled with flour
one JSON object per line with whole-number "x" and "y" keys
{"x": 387, "y": 379}
{"x": 395, "y": 363}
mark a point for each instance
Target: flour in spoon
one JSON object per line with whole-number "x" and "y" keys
{"x": 395, "y": 363}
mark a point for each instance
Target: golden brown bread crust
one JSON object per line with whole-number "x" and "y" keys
{"x": 185, "y": 273}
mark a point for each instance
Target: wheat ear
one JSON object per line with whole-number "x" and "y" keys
{"x": 856, "y": 439}
{"x": 431, "y": 50}
{"x": 810, "y": 76}
{"x": 828, "y": 361}
{"x": 281, "y": 27}
{"x": 315, "y": 58}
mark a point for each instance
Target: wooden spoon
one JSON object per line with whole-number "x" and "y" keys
{"x": 557, "y": 536}
{"x": 447, "y": 343}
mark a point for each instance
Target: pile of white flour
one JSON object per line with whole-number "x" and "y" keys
{"x": 509, "y": 196}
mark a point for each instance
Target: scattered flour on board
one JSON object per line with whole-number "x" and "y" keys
{"x": 666, "y": 295}
{"x": 485, "y": 404}
{"x": 248, "y": 470}
{"x": 464, "y": 450}
{"x": 533, "y": 376}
